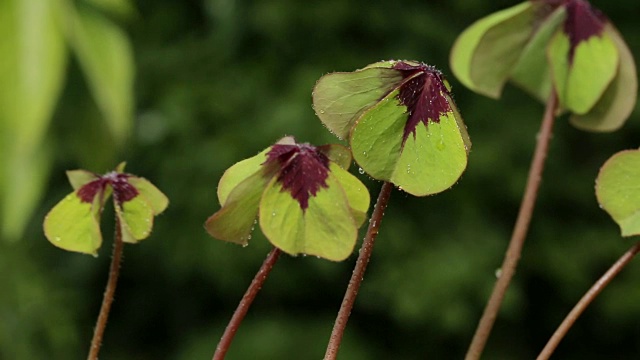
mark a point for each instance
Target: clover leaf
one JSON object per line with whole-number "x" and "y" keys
{"x": 401, "y": 122}
{"x": 74, "y": 223}
{"x": 304, "y": 197}
{"x": 567, "y": 45}
{"x": 618, "y": 190}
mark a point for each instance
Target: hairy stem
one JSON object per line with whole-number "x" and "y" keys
{"x": 358, "y": 272}
{"x": 514, "y": 250}
{"x": 107, "y": 300}
{"x": 581, "y": 306}
{"x": 245, "y": 304}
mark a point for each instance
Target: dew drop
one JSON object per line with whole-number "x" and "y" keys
{"x": 57, "y": 238}
{"x": 364, "y": 153}
{"x": 361, "y": 171}
{"x": 273, "y": 213}
{"x": 498, "y": 273}
{"x": 321, "y": 111}
{"x": 245, "y": 245}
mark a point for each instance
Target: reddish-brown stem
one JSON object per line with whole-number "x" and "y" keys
{"x": 358, "y": 272}
{"x": 245, "y": 304}
{"x": 110, "y": 290}
{"x": 514, "y": 250}
{"x": 581, "y": 306}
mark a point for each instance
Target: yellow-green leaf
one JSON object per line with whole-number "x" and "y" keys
{"x": 150, "y": 193}
{"x": 73, "y": 225}
{"x": 326, "y": 228}
{"x": 619, "y": 100}
{"x": 581, "y": 79}
{"x": 136, "y": 219}
{"x": 618, "y": 190}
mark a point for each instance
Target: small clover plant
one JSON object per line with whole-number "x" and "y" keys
{"x": 618, "y": 190}
{"x": 540, "y": 45}
{"x": 304, "y": 197}
{"x": 401, "y": 123}
{"x": 565, "y": 53}
{"x": 74, "y": 223}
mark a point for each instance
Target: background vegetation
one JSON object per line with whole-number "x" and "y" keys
{"x": 216, "y": 81}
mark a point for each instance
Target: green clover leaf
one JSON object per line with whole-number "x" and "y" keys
{"x": 618, "y": 190}
{"x": 305, "y": 199}
{"x": 74, "y": 223}
{"x": 538, "y": 45}
{"x": 401, "y": 121}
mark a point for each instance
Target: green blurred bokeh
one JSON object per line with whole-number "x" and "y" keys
{"x": 219, "y": 80}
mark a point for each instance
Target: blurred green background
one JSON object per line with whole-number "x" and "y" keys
{"x": 216, "y": 81}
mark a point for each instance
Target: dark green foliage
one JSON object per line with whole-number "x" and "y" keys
{"x": 220, "y": 80}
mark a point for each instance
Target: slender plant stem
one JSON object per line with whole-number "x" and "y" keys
{"x": 245, "y": 304}
{"x": 114, "y": 272}
{"x": 581, "y": 306}
{"x": 358, "y": 272}
{"x": 514, "y": 250}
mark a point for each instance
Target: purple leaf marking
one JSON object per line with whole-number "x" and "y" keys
{"x": 583, "y": 21}
{"x": 122, "y": 190}
{"x": 423, "y": 95}
{"x": 303, "y": 170}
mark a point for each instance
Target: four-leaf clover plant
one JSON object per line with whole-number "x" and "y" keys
{"x": 565, "y": 45}
{"x": 401, "y": 122}
{"x": 74, "y": 223}
{"x": 304, "y": 197}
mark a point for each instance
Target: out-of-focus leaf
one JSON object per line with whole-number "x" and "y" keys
{"x": 531, "y": 73}
{"x": 107, "y": 61}
{"x": 618, "y": 190}
{"x": 485, "y": 53}
{"x": 32, "y": 67}
{"x": 581, "y": 79}
{"x": 120, "y": 8}
{"x": 618, "y": 101}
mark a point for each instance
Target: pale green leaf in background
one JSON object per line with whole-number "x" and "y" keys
{"x": 106, "y": 58}
{"x": 32, "y": 67}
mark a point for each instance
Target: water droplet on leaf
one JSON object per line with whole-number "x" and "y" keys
{"x": 361, "y": 171}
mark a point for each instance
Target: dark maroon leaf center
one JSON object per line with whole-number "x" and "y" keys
{"x": 303, "y": 170}
{"x": 423, "y": 95}
{"x": 583, "y": 21}
{"x": 122, "y": 190}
